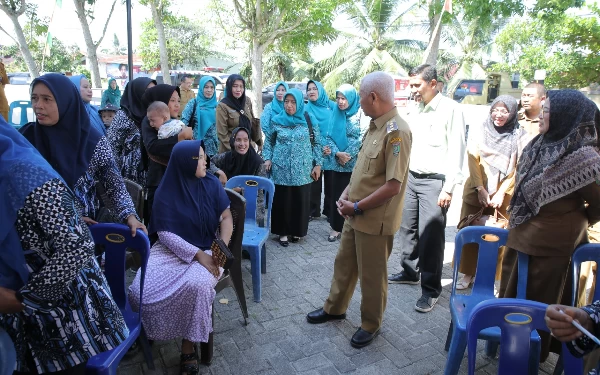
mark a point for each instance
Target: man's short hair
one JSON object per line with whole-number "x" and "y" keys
{"x": 426, "y": 71}
{"x": 186, "y": 76}
{"x": 380, "y": 83}
{"x": 541, "y": 90}
{"x": 157, "y": 106}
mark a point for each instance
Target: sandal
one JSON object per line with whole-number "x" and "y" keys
{"x": 333, "y": 238}
{"x": 464, "y": 284}
{"x": 189, "y": 368}
{"x": 283, "y": 243}
{"x": 294, "y": 239}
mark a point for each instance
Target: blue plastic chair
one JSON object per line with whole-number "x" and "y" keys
{"x": 255, "y": 236}
{"x": 116, "y": 238}
{"x": 461, "y": 305}
{"x": 518, "y": 319}
{"x": 8, "y": 356}
{"x": 23, "y": 105}
{"x": 589, "y": 252}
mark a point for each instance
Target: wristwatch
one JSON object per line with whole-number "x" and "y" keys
{"x": 357, "y": 211}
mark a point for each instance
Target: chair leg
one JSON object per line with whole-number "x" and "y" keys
{"x": 263, "y": 259}
{"x": 206, "y": 351}
{"x": 491, "y": 348}
{"x": 255, "y": 261}
{"x": 143, "y": 340}
{"x": 456, "y": 352}
{"x": 534, "y": 357}
{"x": 449, "y": 337}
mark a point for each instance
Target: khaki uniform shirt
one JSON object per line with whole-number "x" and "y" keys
{"x": 531, "y": 126}
{"x": 384, "y": 156}
{"x": 186, "y": 96}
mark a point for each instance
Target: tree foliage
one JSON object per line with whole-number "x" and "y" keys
{"x": 187, "y": 42}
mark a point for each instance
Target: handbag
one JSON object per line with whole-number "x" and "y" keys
{"x": 221, "y": 254}
{"x": 192, "y": 121}
{"x": 479, "y": 219}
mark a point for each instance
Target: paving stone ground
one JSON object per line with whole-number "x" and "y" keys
{"x": 278, "y": 340}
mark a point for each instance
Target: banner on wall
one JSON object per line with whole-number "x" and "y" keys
{"x": 120, "y": 72}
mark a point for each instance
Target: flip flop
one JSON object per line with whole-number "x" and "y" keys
{"x": 463, "y": 284}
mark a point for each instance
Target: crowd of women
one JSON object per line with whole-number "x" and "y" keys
{"x": 51, "y": 284}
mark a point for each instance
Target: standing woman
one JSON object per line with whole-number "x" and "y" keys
{"x": 493, "y": 152}
{"x": 275, "y": 107}
{"x": 556, "y": 197}
{"x": 4, "y": 107}
{"x": 81, "y": 155}
{"x": 235, "y": 110}
{"x": 294, "y": 163}
{"x": 156, "y": 152}
{"x": 124, "y": 134}
{"x": 321, "y": 108}
{"x": 203, "y": 108}
{"x": 85, "y": 90}
{"x": 344, "y": 141}
{"x": 112, "y": 94}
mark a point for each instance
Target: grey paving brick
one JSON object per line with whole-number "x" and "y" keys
{"x": 312, "y": 362}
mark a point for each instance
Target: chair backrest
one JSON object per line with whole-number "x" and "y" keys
{"x": 116, "y": 239}
{"x": 22, "y": 106}
{"x": 589, "y": 252}
{"x": 8, "y": 355}
{"x": 516, "y": 318}
{"x": 237, "y": 207}
{"x": 251, "y": 186}
{"x": 137, "y": 196}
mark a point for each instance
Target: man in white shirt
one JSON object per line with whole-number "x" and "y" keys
{"x": 436, "y": 160}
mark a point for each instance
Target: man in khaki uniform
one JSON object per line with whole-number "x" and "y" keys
{"x": 187, "y": 94}
{"x": 531, "y": 100}
{"x": 372, "y": 204}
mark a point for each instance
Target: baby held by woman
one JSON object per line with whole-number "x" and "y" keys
{"x": 159, "y": 118}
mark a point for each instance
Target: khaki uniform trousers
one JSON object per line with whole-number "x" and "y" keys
{"x": 363, "y": 257}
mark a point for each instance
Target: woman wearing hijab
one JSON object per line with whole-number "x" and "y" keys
{"x": 235, "y": 110}
{"x": 124, "y": 134}
{"x": 156, "y": 152}
{"x": 190, "y": 207}
{"x": 203, "y": 111}
{"x": 294, "y": 163}
{"x": 492, "y": 154}
{"x": 55, "y": 302}
{"x": 85, "y": 90}
{"x": 343, "y": 139}
{"x": 556, "y": 197}
{"x": 82, "y": 156}
{"x": 242, "y": 160}
{"x": 321, "y": 108}
{"x": 112, "y": 94}
{"x": 275, "y": 107}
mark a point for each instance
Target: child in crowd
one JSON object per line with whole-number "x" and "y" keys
{"x": 107, "y": 113}
{"x": 159, "y": 118}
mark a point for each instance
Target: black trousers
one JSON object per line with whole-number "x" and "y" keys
{"x": 335, "y": 183}
{"x": 316, "y": 189}
{"x": 422, "y": 233}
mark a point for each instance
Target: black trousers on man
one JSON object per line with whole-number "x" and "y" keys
{"x": 422, "y": 233}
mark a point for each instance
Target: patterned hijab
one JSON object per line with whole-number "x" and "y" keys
{"x": 321, "y": 109}
{"x": 206, "y": 112}
{"x": 499, "y": 146}
{"x": 277, "y": 105}
{"x": 297, "y": 118}
{"x": 560, "y": 162}
{"x": 91, "y": 110}
{"x": 337, "y": 128}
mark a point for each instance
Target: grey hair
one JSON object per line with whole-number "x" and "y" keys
{"x": 380, "y": 83}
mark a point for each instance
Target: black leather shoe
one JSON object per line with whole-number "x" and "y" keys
{"x": 320, "y": 316}
{"x": 362, "y": 338}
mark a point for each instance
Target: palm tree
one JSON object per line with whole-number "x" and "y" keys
{"x": 373, "y": 46}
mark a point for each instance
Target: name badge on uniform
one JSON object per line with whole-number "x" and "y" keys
{"x": 391, "y": 126}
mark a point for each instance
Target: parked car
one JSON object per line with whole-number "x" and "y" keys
{"x": 267, "y": 92}
{"x": 20, "y": 78}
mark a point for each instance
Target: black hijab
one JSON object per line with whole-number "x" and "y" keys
{"x": 158, "y": 93}
{"x": 235, "y": 164}
{"x": 239, "y": 104}
{"x": 131, "y": 101}
{"x": 70, "y": 144}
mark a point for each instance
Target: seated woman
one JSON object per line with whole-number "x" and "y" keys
{"x": 189, "y": 207}
{"x": 556, "y": 197}
{"x": 82, "y": 156}
{"x": 54, "y": 300}
{"x": 201, "y": 115}
{"x": 85, "y": 90}
{"x": 242, "y": 159}
{"x": 561, "y": 327}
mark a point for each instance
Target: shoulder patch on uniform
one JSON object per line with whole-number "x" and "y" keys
{"x": 395, "y": 140}
{"x": 391, "y": 126}
{"x": 396, "y": 148}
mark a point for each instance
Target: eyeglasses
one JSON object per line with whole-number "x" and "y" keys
{"x": 500, "y": 111}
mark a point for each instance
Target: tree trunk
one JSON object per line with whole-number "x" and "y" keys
{"x": 431, "y": 53}
{"x": 257, "y": 66}
{"x": 92, "y": 58}
{"x": 162, "y": 44}
{"x": 31, "y": 65}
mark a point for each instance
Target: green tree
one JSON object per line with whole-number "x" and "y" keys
{"x": 373, "y": 46}
{"x": 160, "y": 11}
{"x": 295, "y": 25}
{"x": 187, "y": 42}
{"x": 15, "y": 9}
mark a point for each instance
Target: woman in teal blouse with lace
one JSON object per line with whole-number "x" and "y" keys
{"x": 204, "y": 110}
{"x": 294, "y": 163}
{"x": 275, "y": 107}
{"x": 343, "y": 139}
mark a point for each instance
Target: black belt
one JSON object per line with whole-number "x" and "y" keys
{"x": 432, "y": 176}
